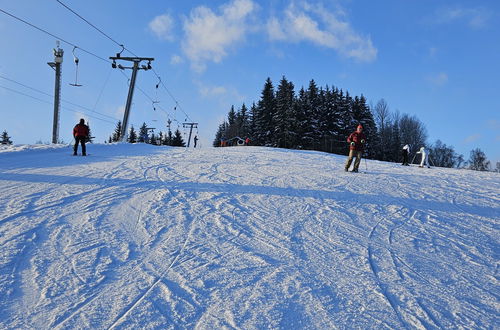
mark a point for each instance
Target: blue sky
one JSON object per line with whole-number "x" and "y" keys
{"x": 438, "y": 60}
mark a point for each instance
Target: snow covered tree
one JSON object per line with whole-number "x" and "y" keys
{"x": 132, "y": 135}
{"x": 478, "y": 161}
{"x": 5, "y": 139}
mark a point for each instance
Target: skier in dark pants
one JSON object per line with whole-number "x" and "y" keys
{"x": 195, "y": 140}
{"x": 80, "y": 132}
{"x": 405, "y": 152}
{"x": 356, "y": 145}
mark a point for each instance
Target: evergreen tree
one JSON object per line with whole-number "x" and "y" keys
{"x": 5, "y": 139}
{"x": 478, "y": 161}
{"x": 132, "y": 135}
{"x": 117, "y": 133}
{"x": 264, "y": 115}
{"x": 305, "y": 121}
{"x": 283, "y": 116}
{"x": 167, "y": 141}
{"x": 362, "y": 115}
{"x": 154, "y": 139}
{"x": 177, "y": 140}
{"x": 90, "y": 138}
{"x": 220, "y": 135}
{"x": 313, "y": 110}
{"x": 143, "y": 134}
{"x": 232, "y": 128}
{"x": 161, "y": 139}
{"x": 251, "y": 122}
{"x": 243, "y": 122}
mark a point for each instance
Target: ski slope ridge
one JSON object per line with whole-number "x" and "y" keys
{"x": 136, "y": 236}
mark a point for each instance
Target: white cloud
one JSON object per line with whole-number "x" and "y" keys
{"x": 176, "y": 59}
{"x": 439, "y": 79}
{"x": 208, "y": 91}
{"x": 162, "y": 26}
{"x": 476, "y": 18}
{"x": 209, "y": 35}
{"x": 322, "y": 27}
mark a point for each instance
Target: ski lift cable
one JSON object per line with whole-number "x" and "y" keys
{"x": 53, "y": 35}
{"x": 95, "y": 27}
{"x": 51, "y": 103}
{"x": 102, "y": 89}
{"x": 124, "y": 48}
{"x": 149, "y": 97}
{"x": 51, "y": 95}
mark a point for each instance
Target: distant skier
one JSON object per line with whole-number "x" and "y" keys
{"x": 247, "y": 141}
{"x": 357, "y": 142}
{"x": 80, "y": 132}
{"x": 195, "y": 140}
{"x": 425, "y": 157}
{"x": 406, "y": 152}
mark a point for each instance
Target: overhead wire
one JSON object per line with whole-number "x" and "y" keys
{"x": 51, "y": 103}
{"x": 51, "y": 95}
{"x": 177, "y": 105}
{"x": 53, "y": 35}
{"x": 131, "y": 52}
{"x": 95, "y": 27}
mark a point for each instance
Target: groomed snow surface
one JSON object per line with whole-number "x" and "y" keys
{"x": 143, "y": 237}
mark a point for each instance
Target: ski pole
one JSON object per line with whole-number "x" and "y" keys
{"x": 413, "y": 158}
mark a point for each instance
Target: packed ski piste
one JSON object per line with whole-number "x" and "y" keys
{"x": 136, "y": 236}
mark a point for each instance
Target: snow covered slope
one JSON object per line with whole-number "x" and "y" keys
{"x": 136, "y": 236}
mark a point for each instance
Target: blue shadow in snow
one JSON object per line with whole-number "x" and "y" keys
{"x": 229, "y": 188}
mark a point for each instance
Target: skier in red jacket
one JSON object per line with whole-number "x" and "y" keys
{"x": 356, "y": 145}
{"x": 80, "y": 132}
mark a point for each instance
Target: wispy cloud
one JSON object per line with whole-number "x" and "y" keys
{"x": 322, "y": 27}
{"x": 209, "y": 35}
{"x": 472, "y": 138}
{"x": 163, "y": 27}
{"x": 176, "y": 59}
{"x": 494, "y": 124}
{"x": 438, "y": 79}
{"x": 209, "y": 91}
{"x": 475, "y": 18}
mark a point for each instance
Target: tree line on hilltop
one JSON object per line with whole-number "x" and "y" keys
{"x": 143, "y": 136}
{"x": 321, "y": 118}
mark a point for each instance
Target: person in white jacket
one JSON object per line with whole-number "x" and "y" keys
{"x": 425, "y": 157}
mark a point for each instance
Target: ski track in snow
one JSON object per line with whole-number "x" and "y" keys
{"x": 135, "y": 236}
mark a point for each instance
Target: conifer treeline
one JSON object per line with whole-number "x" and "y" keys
{"x": 143, "y": 136}
{"x": 322, "y": 118}
{"x": 316, "y": 118}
